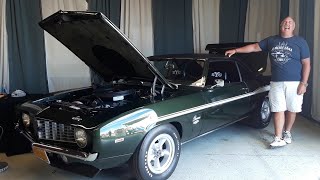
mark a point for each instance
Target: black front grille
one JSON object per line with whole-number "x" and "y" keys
{"x": 49, "y": 130}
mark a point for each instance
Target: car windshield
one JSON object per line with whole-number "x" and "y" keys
{"x": 182, "y": 71}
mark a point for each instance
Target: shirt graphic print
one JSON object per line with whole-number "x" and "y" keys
{"x": 281, "y": 53}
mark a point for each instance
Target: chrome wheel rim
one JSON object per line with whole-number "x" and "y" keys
{"x": 265, "y": 110}
{"x": 160, "y": 153}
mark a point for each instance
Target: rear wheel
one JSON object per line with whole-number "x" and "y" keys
{"x": 158, "y": 154}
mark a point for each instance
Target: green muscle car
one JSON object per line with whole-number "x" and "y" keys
{"x": 144, "y": 108}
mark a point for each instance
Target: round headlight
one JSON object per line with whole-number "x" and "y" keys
{"x": 25, "y": 120}
{"x": 81, "y": 137}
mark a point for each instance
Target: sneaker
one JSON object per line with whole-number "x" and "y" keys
{"x": 278, "y": 142}
{"x": 287, "y": 137}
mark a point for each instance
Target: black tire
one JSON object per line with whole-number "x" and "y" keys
{"x": 141, "y": 162}
{"x": 262, "y": 116}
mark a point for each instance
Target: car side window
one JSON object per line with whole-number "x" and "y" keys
{"x": 226, "y": 70}
{"x": 246, "y": 74}
{"x": 182, "y": 71}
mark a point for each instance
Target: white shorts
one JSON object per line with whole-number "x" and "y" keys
{"x": 283, "y": 96}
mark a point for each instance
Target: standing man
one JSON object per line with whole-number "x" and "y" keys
{"x": 290, "y": 68}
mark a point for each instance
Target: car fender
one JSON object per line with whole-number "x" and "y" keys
{"x": 123, "y": 135}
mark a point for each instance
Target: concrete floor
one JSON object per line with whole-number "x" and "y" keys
{"x": 235, "y": 152}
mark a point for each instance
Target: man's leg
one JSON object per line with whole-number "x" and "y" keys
{"x": 294, "y": 104}
{"x": 290, "y": 118}
{"x": 279, "y": 119}
{"x": 278, "y": 106}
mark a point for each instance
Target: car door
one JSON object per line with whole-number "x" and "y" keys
{"x": 228, "y": 103}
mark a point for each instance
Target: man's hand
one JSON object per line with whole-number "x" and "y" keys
{"x": 230, "y": 52}
{"x": 301, "y": 89}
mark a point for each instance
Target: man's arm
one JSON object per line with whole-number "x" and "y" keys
{"x": 245, "y": 49}
{"x": 302, "y": 88}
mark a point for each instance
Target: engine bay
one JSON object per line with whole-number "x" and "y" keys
{"x": 104, "y": 97}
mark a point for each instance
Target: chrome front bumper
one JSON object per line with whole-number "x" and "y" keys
{"x": 67, "y": 152}
{"x": 62, "y": 151}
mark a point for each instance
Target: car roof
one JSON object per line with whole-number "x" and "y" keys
{"x": 188, "y": 56}
{"x": 256, "y": 61}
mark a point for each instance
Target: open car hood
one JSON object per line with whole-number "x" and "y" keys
{"x": 100, "y": 44}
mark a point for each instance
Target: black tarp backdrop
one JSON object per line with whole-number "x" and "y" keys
{"x": 232, "y": 20}
{"x": 26, "y": 52}
{"x": 172, "y": 26}
{"x": 110, "y": 8}
{"x": 284, "y": 11}
{"x": 306, "y": 30}
{"x": 27, "y": 67}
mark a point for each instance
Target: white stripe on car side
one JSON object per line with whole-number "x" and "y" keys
{"x": 213, "y": 104}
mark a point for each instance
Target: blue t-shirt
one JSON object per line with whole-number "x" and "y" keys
{"x": 285, "y": 55}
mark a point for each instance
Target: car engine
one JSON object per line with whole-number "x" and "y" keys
{"x": 106, "y": 98}
{"x": 103, "y": 98}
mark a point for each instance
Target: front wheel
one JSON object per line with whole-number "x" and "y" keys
{"x": 262, "y": 117}
{"x": 158, "y": 154}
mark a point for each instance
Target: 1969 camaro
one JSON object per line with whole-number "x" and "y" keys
{"x": 146, "y": 107}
